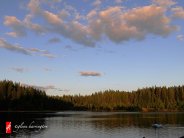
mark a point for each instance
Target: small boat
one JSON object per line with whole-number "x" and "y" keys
{"x": 157, "y": 126}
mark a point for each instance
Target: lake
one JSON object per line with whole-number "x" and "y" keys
{"x": 92, "y": 124}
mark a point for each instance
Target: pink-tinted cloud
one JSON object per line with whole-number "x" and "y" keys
{"x": 178, "y": 12}
{"x": 117, "y": 23}
{"x": 17, "y": 26}
{"x": 136, "y": 23}
{"x": 90, "y": 73}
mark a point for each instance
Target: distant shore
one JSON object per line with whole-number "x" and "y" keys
{"x": 15, "y": 97}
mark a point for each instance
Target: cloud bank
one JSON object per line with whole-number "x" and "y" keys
{"x": 117, "y": 23}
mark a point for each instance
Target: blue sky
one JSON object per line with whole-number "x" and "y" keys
{"x": 72, "y": 47}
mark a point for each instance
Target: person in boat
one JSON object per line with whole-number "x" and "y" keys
{"x": 157, "y": 126}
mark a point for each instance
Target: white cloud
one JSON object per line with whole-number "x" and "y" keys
{"x": 178, "y": 12}
{"x": 90, "y": 73}
{"x": 180, "y": 37}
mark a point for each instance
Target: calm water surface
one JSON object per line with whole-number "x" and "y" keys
{"x": 93, "y": 125}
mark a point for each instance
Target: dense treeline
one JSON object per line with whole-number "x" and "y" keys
{"x": 146, "y": 99}
{"x": 13, "y": 96}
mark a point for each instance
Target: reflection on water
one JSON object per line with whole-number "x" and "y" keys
{"x": 96, "y": 124}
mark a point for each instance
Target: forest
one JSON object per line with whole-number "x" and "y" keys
{"x": 15, "y": 97}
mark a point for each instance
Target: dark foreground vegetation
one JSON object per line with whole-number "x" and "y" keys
{"x": 14, "y": 97}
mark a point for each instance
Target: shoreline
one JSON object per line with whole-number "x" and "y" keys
{"x": 91, "y": 111}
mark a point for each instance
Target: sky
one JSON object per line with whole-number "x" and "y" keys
{"x": 81, "y": 47}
